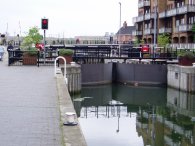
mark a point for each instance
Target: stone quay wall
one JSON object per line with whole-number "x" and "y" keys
{"x": 181, "y": 77}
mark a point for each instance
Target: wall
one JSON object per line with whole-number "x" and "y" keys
{"x": 73, "y": 74}
{"x": 182, "y": 101}
{"x": 145, "y": 74}
{"x": 96, "y": 73}
{"x": 181, "y": 77}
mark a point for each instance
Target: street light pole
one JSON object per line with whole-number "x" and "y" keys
{"x": 155, "y": 18}
{"x": 119, "y": 30}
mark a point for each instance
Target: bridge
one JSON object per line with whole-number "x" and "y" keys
{"x": 98, "y": 53}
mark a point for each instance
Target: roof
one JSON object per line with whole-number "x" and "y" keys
{"x": 126, "y": 30}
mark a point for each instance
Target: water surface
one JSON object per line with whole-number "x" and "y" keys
{"x": 120, "y": 115}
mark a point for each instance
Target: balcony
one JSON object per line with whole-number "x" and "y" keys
{"x": 182, "y": 10}
{"x": 165, "y": 30}
{"x": 147, "y": 3}
{"x": 136, "y": 33}
{"x": 171, "y": 12}
{"x": 134, "y": 20}
{"x": 140, "y": 4}
{"x": 143, "y": 3}
{"x": 177, "y": 11}
{"x": 183, "y": 28}
{"x": 186, "y": 8}
{"x": 147, "y": 31}
{"x": 162, "y": 14}
{"x": 138, "y": 19}
{"x": 191, "y": 8}
{"x": 148, "y": 16}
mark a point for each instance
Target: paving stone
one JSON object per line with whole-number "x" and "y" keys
{"x": 29, "y": 110}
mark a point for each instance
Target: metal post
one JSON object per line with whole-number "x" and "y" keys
{"x": 119, "y": 53}
{"x": 155, "y": 18}
{"x": 44, "y": 46}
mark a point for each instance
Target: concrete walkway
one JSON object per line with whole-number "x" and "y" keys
{"x": 29, "y": 107}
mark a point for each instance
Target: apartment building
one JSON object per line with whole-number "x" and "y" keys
{"x": 174, "y": 17}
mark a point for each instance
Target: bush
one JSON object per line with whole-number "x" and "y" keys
{"x": 65, "y": 52}
{"x": 31, "y": 51}
{"x": 186, "y": 54}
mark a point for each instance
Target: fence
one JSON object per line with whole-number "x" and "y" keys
{"x": 18, "y": 57}
{"x": 93, "y": 54}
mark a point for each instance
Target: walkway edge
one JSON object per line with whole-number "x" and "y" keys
{"x": 72, "y": 135}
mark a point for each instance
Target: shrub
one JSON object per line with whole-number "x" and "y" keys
{"x": 31, "y": 51}
{"x": 65, "y": 52}
{"x": 186, "y": 54}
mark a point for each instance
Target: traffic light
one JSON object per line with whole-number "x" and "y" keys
{"x": 44, "y": 23}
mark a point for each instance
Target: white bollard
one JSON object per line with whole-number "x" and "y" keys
{"x": 70, "y": 119}
{"x": 193, "y": 64}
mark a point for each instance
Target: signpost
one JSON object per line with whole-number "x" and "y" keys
{"x": 44, "y": 26}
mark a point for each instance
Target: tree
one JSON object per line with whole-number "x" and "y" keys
{"x": 138, "y": 41}
{"x": 32, "y": 38}
{"x": 193, "y": 31}
{"x": 163, "y": 40}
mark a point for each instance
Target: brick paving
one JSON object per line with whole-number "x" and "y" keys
{"x": 29, "y": 110}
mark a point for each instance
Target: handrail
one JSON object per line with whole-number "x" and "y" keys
{"x": 57, "y": 72}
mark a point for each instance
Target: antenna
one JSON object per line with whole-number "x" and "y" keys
{"x": 20, "y": 28}
{"x": 6, "y": 29}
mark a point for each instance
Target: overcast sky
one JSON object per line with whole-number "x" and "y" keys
{"x": 67, "y": 18}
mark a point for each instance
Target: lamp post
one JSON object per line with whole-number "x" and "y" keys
{"x": 155, "y": 18}
{"x": 119, "y": 31}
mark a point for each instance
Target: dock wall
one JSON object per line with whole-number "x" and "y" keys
{"x": 181, "y": 77}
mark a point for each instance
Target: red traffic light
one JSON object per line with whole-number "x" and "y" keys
{"x": 44, "y": 23}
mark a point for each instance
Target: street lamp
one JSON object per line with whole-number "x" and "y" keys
{"x": 155, "y": 18}
{"x": 119, "y": 30}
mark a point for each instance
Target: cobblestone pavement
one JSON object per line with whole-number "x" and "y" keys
{"x": 29, "y": 112}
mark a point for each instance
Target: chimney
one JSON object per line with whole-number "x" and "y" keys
{"x": 125, "y": 24}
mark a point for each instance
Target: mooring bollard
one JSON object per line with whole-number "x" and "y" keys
{"x": 193, "y": 64}
{"x": 70, "y": 119}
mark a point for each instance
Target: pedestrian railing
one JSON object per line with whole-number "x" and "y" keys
{"x": 92, "y": 54}
{"x": 18, "y": 57}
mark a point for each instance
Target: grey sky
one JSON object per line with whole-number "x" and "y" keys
{"x": 66, "y": 17}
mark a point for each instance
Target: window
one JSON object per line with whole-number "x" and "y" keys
{"x": 190, "y": 20}
{"x": 182, "y": 21}
{"x": 177, "y": 22}
{"x": 191, "y": 2}
{"x": 176, "y": 75}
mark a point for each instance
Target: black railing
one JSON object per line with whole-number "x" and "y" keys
{"x": 17, "y": 57}
{"x": 93, "y": 54}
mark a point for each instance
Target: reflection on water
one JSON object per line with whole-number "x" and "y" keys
{"x": 121, "y": 115}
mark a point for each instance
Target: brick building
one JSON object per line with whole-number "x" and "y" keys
{"x": 174, "y": 17}
{"x": 124, "y": 34}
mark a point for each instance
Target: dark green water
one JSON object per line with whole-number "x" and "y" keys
{"x": 119, "y": 115}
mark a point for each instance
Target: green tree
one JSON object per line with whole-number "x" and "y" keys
{"x": 142, "y": 41}
{"x": 163, "y": 40}
{"x": 193, "y": 31}
{"x": 138, "y": 41}
{"x": 31, "y": 39}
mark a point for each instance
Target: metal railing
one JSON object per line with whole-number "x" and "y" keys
{"x": 18, "y": 57}
{"x": 95, "y": 54}
{"x": 183, "y": 45}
